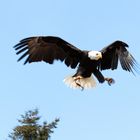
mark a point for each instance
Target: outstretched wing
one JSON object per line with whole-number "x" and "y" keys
{"x": 114, "y": 52}
{"x": 48, "y": 49}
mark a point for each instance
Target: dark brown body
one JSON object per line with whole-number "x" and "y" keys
{"x": 88, "y": 67}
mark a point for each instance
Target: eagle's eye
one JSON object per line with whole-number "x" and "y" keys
{"x": 97, "y": 54}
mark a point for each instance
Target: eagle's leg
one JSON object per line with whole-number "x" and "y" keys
{"x": 77, "y": 81}
{"x": 110, "y": 81}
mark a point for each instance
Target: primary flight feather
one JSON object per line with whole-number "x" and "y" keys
{"x": 50, "y": 48}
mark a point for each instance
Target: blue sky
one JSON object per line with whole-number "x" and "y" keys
{"x": 103, "y": 113}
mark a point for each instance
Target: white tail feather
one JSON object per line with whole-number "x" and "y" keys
{"x": 84, "y": 83}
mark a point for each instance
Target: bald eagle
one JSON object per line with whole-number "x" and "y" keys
{"x": 88, "y": 63}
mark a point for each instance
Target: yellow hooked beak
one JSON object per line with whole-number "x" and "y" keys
{"x": 100, "y": 55}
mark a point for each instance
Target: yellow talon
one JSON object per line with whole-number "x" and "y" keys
{"x": 77, "y": 81}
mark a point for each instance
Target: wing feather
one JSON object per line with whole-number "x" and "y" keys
{"x": 25, "y": 54}
{"x": 48, "y": 49}
{"x": 21, "y": 50}
{"x": 115, "y": 52}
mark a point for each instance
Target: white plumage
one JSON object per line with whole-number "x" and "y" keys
{"x": 85, "y": 83}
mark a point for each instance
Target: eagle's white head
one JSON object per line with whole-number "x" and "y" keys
{"x": 94, "y": 55}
